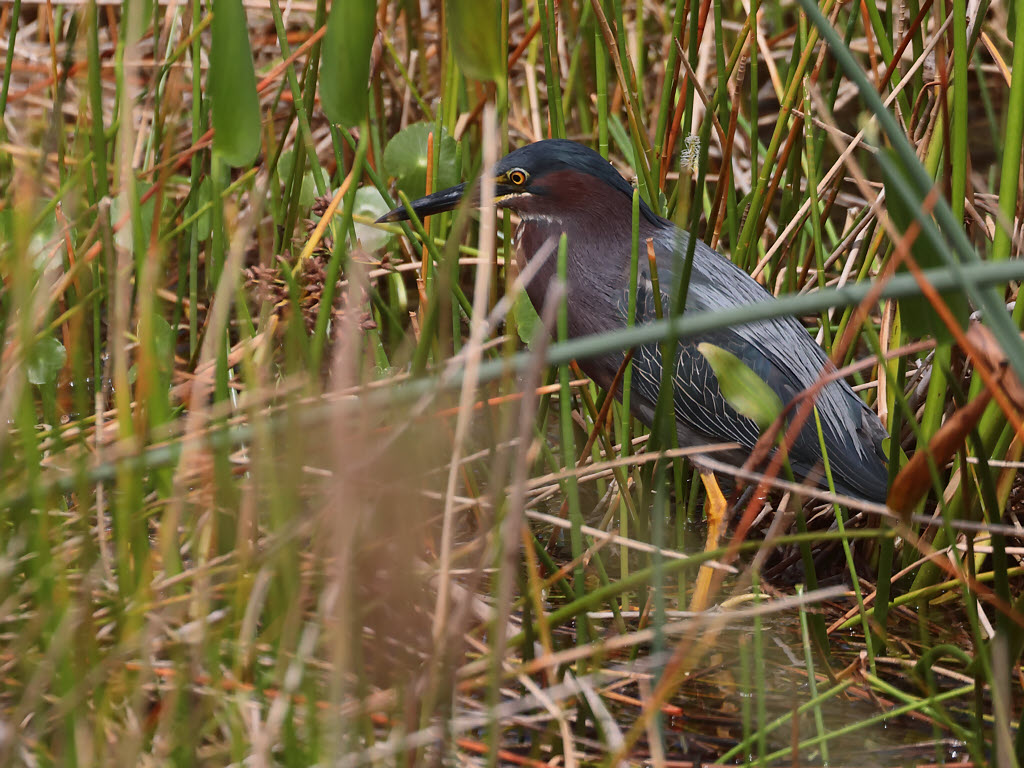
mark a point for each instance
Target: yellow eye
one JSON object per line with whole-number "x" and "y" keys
{"x": 517, "y": 177}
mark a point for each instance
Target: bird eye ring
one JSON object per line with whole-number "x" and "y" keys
{"x": 517, "y": 177}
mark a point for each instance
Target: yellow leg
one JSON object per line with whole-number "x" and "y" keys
{"x": 714, "y": 510}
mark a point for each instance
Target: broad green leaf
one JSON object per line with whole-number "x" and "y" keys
{"x": 743, "y": 389}
{"x": 370, "y": 204}
{"x": 164, "y": 341}
{"x": 45, "y": 361}
{"x": 918, "y": 314}
{"x": 307, "y": 187}
{"x": 527, "y": 319}
{"x": 474, "y": 33}
{"x": 405, "y": 158}
{"x": 146, "y": 212}
{"x": 232, "y": 85}
{"x": 307, "y": 191}
{"x": 285, "y": 163}
{"x": 345, "y": 61}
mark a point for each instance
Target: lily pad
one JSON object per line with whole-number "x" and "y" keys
{"x": 45, "y": 361}
{"x": 370, "y": 203}
{"x": 405, "y": 158}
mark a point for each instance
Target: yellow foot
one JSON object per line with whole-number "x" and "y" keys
{"x": 714, "y": 511}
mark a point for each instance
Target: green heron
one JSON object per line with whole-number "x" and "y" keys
{"x": 558, "y": 186}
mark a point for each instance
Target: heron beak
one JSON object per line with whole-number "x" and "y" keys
{"x": 439, "y": 202}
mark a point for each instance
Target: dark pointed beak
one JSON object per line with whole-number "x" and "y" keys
{"x": 439, "y": 202}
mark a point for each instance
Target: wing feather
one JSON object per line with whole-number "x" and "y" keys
{"x": 779, "y": 351}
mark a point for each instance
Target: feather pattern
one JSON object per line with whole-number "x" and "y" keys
{"x": 779, "y": 351}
